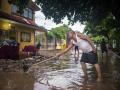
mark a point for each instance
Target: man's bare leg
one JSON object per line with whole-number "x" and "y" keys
{"x": 75, "y": 53}
{"x": 84, "y": 68}
{"x": 97, "y": 67}
{"x": 78, "y": 54}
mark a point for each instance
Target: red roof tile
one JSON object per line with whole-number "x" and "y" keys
{"x": 18, "y": 19}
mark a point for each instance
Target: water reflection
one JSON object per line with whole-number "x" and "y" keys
{"x": 65, "y": 74}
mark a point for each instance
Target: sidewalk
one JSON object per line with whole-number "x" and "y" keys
{"x": 18, "y": 65}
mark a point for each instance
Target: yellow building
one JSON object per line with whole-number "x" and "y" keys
{"x": 22, "y": 28}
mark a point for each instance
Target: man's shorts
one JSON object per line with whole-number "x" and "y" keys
{"x": 89, "y": 57}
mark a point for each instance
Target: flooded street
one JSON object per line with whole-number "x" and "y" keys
{"x": 65, "y": 74}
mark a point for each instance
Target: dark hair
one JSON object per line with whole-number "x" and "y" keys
{"x": 68, "y": 38}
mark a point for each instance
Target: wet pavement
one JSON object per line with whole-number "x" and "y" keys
{"x": 65, "y": 74}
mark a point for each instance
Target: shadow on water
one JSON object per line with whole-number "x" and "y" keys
{"x": 64, "y": 75}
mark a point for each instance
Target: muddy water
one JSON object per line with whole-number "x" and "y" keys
{"x": 15, "y": 81}
{"x": 68, "y": 75}
{"x": 65, "y": 74}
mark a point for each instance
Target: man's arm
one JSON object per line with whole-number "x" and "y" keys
{"x": 61, "y": 53}
{"x": 66, "y": 50}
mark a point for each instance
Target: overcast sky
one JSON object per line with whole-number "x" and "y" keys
{"x": 48, "y": 24}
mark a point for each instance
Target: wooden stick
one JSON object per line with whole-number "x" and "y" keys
{"x": 36, "y": 64}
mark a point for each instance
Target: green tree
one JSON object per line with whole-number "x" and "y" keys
{"x": 56, "y": 34}
{"x": 76, "y": 10}
{"x": 106, "y": 29}
{"x": 50, "y": 35}
{"x": 59, "y": 32}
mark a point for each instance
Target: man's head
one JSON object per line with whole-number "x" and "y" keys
{"x": 71, "y": 34}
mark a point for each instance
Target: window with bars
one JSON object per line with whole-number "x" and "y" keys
{"x": 14, "y": 8}
{"x": 25, "y": 37}
{"x": 27, "y": 13}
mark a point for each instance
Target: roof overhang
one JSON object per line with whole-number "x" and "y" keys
{"x": 17, "y": 23}
{"x": 20, "y": 21}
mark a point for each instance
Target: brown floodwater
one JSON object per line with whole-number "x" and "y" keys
{"x": 65, "y": 74}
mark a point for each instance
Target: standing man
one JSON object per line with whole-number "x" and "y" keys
{"x": 104, "y": 47}
{"x": 38, "y": 46}
{"x": 89, "y": 52}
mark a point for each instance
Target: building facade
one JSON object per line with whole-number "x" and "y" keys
{"x": 20, "y": 27}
